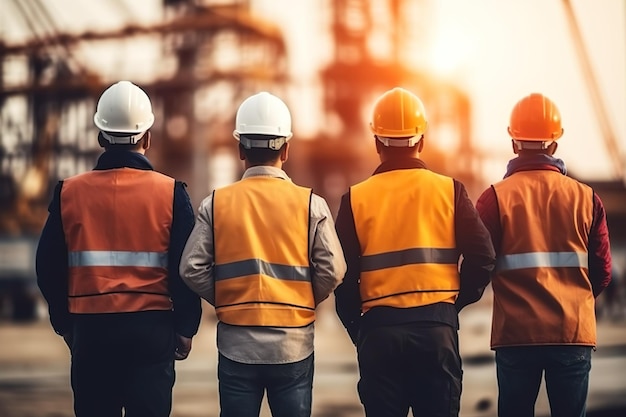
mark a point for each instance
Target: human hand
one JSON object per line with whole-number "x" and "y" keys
{"x": 183, "y": 347}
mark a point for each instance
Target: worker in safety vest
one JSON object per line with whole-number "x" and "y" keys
{"x": 553, "y": 259}
{"x": 107, "y": 264}
{"x": 403, "y": 231}
{"x": 265, "y": 253}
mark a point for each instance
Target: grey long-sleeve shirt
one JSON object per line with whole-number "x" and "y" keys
{"x": 265, "y": 345}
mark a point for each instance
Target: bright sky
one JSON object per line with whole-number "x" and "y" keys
{"x": 523, "y": 46}
{"x": 497, "y": 50}
{"x": 500, "y": 51}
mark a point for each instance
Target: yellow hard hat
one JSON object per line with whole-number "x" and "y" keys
{"x": 398, "y": 118}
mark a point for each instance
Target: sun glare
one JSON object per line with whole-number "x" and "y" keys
{"x": 449, "y": 51}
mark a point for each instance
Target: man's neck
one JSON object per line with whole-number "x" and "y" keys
{"x": 278, "y": 164}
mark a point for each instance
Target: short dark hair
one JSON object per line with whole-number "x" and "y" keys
{"x": 399, "y": 152}
{"x": 260, "y": 155}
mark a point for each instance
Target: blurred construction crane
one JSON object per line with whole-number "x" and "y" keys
{"x": 357, "y": 73}
{"x": 51, "y": 136}
{"x": 46, "y": 132}
{"x": 211, "y": 55}
{"x": 612, "y": 192}
{"x": 606, "y": 127}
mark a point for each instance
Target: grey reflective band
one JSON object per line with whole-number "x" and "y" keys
{"x": 118, "y": 258}
{"x": 542, "y": 260}
{"x": 274, "y": 144}
{"x": 409, "y": 257}
{"x": 407, "y": 142}
{"x": 257, "y": 266}
{"x": 129, "y": 139}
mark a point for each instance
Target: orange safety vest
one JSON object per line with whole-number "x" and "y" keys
{"x": 261, "y": 237}
{"x": 542, "y": 291}
{"x": 117, "y": 227}
{"x": 405, "y": 225}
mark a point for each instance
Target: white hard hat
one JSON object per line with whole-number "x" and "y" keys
{"x": 124, "y": 113}
{"x": 263, "y": 114}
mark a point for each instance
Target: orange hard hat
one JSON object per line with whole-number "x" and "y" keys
{"x": 398, "y": 113}
{"x": 535, "y": 118}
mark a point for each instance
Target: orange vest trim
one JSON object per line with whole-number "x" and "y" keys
{"x": 542, "y": 291}
{"x": 262, "y": 277}
{"x": 117, "y": 227}
{"x": 408, "y": 246}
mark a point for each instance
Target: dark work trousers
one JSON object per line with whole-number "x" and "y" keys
{"x": 123, "y": 361}
{"x": 412, "y": 365}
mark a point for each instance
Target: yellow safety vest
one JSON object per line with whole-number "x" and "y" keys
{"x": 542, "y": 291}
{"x": 261, "y": 235}
{"x": 405, "y": 225}
{"x": 117, "y": 227}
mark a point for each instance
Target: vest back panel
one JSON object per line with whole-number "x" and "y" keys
{"x": 117, "y": 227}
{"x": 542, "y": 291}
{"x": 405, "y": 225}
{"x": 261, "y": 235}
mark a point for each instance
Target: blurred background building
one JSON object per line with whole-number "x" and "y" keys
{"x": 329, "y": 60}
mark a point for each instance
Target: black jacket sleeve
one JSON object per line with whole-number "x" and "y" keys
{"x": 347, "y": 296}
{"x": 474, "y": 242}
{"x": 51, "y": 266}
{"x": 187, "y": 305}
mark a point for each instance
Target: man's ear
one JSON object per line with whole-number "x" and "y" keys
{"x": 420, "y": 144}
{"x": 147, "y": 140}
{"x": 242, "y": 155}
{"x": 378, "y": 145}
{"x": 284, "y": 152}
{"x": 102, "y": 141}
{"x": 551, "y": 149}
{"x": 514, "y": 146}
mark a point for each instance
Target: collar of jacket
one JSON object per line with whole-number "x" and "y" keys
{"x": 265, "y": 171}
{"x": 404, "y": 163}
{"x": 535, "y": 162}
{"x": 113, "y": 159}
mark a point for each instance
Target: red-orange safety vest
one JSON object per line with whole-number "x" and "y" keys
{"x": 405, "y": 225}
{"x": 261, "y": 235}
{"x": 117, "y": 227}
{"x": 542, "y": 292}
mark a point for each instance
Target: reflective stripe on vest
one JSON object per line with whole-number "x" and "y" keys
{"x": 542, "y": 292}
{"x": 408, "y": 247}
{"x": 542, "y": 260}
{"x": 408, "y": 257}
{"x": 262, "y": 278}
{"x": 118, "y": 258}
{"x": 117, "y": 228}
{"x": 259, "y": 267}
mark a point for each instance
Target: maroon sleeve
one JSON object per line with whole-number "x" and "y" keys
{"x": 487, "y": 207}
{"x": 599, "y": 249}
{"x": 347, "y": 295}
{"x": 474, "y": 243}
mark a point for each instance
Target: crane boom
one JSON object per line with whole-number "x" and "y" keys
{"x": 608, "y": 133}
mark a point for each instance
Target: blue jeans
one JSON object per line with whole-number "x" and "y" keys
{"x": 289, "y": 388}
{"x": 520, "y": 370}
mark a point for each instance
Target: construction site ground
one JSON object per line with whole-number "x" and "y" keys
{"x": 34, "y": 370}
